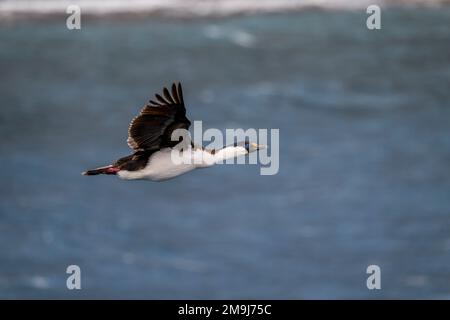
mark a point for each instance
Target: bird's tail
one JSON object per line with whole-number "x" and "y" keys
{"x": 102, "y": 170}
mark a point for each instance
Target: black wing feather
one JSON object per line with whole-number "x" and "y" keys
{"x": 167, "y": 96}
{"x": 180, "y": 94}
{"x": 175, "y": 93}
{"x": 154, "y": 103}
{"x": 152, "y": 129}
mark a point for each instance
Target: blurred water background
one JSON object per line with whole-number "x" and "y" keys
{"x": 364, "y": 176}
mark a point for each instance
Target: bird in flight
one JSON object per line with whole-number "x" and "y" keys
{"x": 150, "y": 137}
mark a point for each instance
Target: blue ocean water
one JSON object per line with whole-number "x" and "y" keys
{"x": 364, "y": 176}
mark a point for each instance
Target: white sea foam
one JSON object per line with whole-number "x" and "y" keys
{"x": 189, "y": 8}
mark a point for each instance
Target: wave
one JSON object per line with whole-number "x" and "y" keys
{"x": 190, "y": 8}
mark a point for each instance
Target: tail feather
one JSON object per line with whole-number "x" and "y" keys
{"x": 102, "y": 170}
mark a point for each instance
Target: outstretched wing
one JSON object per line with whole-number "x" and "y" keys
{"x": 152, "y": 129}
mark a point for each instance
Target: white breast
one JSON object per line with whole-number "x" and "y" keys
{"x": 162, "y": 167}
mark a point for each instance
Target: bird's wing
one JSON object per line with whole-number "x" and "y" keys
{"x": 153, "y": 127}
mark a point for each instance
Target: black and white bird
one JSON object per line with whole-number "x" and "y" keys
{"x": 150, "y": 137}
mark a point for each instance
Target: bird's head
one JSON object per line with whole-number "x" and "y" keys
{"x": 238, "y": 149}
{"x": 250, "y": 147}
